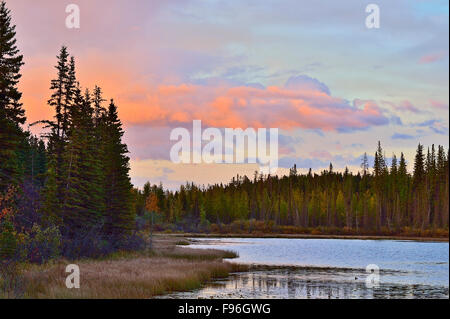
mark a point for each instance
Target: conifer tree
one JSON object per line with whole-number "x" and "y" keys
{"x": 81, "y": 206}
{"x": 394, "y": 168}
{"x": 402, "y": 169}
{"x": 62, "y": 99}
{"x": 419, "y": 167}
{"x": 12, "y": 115}
{"x": 119, "y": 217}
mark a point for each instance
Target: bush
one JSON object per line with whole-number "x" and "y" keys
{"x": 87, "y": 245}
{"x": 8, "y": 240}
{"x": 41, "y": 245}
{"x": 141, "y": 222}
{"x": 95, "y": 244}
{"x": 133, "y": 242}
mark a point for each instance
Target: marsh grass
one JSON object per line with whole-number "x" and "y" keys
{"x": 143, "y": 277}
{"x": 200, "y": 254}
{"x": 11, "y": 280}
{"x": 123, "y": 275}
{"x": 182, "y": 243}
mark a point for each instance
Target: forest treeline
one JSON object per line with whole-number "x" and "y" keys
{"x": 68, "y": 191}
{"x": 384, "y": 199}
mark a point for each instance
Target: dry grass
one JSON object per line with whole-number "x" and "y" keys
{"x": 133, "y": 275}
{"x": 126, "y": 278}
{"x": 200, "y": 254}
{"x": 183, "y": 243}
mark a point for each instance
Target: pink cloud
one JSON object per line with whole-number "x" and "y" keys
{"x": 433, "y": 57}
{"x": 439, "y": 105}
{"x": 144, "y": 101}
{"x": 224, "y": 106}
{"x": 321, "y": 154}
{"x": 407, "y": 106}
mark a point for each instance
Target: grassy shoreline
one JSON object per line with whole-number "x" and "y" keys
{"x": 131, "y": 275}
{"x": 170, "y": 267}
{"x": 310, "y": 236}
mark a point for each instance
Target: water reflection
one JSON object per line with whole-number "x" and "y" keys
{"x": 329, "y": 268}
{"x": 306, "y": 283}
{"x": 408, "y": 262}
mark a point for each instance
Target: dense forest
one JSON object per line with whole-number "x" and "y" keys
{"x": 383, "y": 200}
{"x": 68, "y": 192}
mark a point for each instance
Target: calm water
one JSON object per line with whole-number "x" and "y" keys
{"x": 329, "y": 268}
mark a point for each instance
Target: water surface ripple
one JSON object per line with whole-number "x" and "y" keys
{"x": 329, "y": 268}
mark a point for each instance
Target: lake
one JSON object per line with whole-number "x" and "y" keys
{"x": 330, "y": 268}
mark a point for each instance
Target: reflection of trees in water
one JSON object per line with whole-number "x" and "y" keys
{"x": 308, "y": 283}
{"x": 290, "y": 285}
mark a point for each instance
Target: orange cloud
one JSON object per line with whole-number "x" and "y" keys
{"x": 142, "y": 101}
{"x": 247, "y": 107}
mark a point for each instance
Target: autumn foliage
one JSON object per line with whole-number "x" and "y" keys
{"x": 6, "y": 208}
{"x": 151, "y": 204}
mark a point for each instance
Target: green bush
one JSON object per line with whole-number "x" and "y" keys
{"x": 41, "y": 245}
{"x": 8, "y": 240}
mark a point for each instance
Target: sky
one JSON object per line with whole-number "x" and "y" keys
{"x": 332, "y": 86}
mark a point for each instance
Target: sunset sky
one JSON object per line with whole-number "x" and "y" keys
{"x": 310, "y": 68}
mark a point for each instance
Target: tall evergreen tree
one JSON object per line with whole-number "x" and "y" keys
{"x": 119, "y": 217}
{"x": 419, "y": 167}
{"x": 82, "y": 206}
{"x": 402, "y": 169}
{"x": 394, "y": 168}
{"x": 379, "y": 168}
{"x": 12, "y": 115}
{"x": 99, "y": 110}
{"x": 62, "y": 99}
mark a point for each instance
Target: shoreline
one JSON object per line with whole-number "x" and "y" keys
{"x": 124, "y": 275}
{"x": 309, "y": 236}
{"x": 178, "y": 269}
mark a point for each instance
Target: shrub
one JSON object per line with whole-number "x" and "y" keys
{"x": 8, "y": 235}
{"x": 134, "y": 242}
{"x": 88, "y": 245}
{"x": 8, "y": 240}
{"x": 41, "y": 245}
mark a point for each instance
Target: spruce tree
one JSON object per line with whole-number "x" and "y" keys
{"x": 12, "y": 114}
{"x": 419, "y": 167}
{"x": 394, "y": 168}
{"x": 10, "y": 63}
{"x": 402, "y": 168}
{"x": 62, "y": 98}
{"x": 82, "y": 206}
{"x": 119, "y": 217}
{"x": 99, "y": 110}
